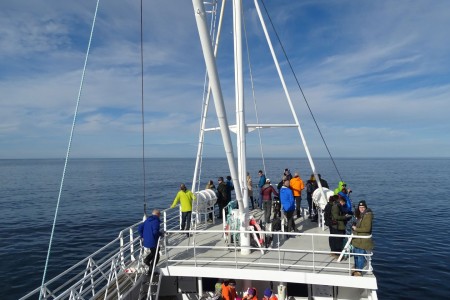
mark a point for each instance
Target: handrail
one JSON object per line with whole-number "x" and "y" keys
{"x": 174, "y": 247}
{"x": 93, "y": 273}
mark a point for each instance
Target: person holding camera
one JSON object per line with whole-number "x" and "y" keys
{"x": 362, "y": 227}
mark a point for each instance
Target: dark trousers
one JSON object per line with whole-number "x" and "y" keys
{"x": 148, "y": 260}
{"x": 186, "y": 220}
{"x": 290, "y": 220}
{"x": 267, "y": 207}
{"x": 311, "y": 206}
{"x": 336, "y": 243}
{"x": 298, "y": 200}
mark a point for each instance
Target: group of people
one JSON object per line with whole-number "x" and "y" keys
{"x": 290, "y": 193}
{"x": 226, "y": 290}
{"x": 342, "y": 220}
{"x": 339, "y": 214}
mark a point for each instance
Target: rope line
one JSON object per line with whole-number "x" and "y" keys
{"x": 301, "y": 90}
{"x": 68, "y": 151}
{"x": 253, "y": 93}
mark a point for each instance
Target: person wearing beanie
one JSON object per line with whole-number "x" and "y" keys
{"x": 362, "y": 227}
{"x": 268, "y": 295}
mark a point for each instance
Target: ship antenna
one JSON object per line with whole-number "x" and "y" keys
{"x": 142, "y": 113}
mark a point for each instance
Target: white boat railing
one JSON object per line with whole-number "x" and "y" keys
{"x": 113, "y": 269}
{"x": 92, "y": 277}
{"x": 278, "y": 256}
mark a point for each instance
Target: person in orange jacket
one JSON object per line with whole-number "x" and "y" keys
{"x": 229, "y": 290}
{"x": 296, "y": 185}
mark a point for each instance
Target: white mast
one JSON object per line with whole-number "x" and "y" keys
{"x": 205, "y": 40}
{"x": 240, "y": 121}
{"x": 205, "y": 109}
{"x": 216, "y": 89}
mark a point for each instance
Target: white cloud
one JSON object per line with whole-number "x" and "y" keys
{"x": 375, "y": 72}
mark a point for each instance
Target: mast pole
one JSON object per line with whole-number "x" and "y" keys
{"x": 201, "y": 137}
{"x": 205, "y": 40}
{"x": 240, "y": 123}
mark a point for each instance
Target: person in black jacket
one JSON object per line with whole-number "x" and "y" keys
{"x": 222, "y": 199}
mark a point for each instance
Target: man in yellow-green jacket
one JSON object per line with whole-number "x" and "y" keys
{"x": 185, "y": 197}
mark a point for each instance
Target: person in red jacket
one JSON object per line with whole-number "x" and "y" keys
{"x": 267, "y": 190}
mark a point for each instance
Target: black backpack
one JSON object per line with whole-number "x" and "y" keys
{"x": 310, "y": 187}
{"x": 327, "y": 215}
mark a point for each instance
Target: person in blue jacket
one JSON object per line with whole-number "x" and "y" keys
{"x": 288, "y": 205}
{"x": 150, "y": 233}
{"x": 261, "y": 183}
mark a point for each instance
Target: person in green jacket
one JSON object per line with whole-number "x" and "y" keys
{"x": 363, "y": 227}
{"x": 341, "y": 185}
{"x": 185, "y": 197}
{"x": 339, "y": 219}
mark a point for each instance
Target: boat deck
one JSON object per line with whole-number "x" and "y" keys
{"x": 302, "y": 258}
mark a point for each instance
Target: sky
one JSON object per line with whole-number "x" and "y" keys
{"x": 376, "y": 75}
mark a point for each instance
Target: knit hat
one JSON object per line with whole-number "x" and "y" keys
{"x": 362, "y": 203}
{"x": 251, "y": 291}
{"x": 268, "y": 292}
{"x": 267, "y": 180}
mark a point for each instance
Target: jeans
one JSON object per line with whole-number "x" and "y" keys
{"x": 360, "y": 260}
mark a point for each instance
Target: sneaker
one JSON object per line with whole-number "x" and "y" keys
{"x": 210, "y": 221}
{"x": 356, "y": 274}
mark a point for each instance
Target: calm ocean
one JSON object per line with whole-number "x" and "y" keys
{"x": 410, "y": 199}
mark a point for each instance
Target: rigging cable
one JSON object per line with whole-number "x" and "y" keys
{"x": 68, "y": 151}
{"x": 142, "y": 110}
{"x": 253, "y": 94}
{"x": 301, "y": 90}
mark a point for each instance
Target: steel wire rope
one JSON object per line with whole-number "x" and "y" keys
{"x": 301, "y": 90}
{"x": 142, "y": 110}
{"x": 68, "y": 149}
{"x": 253, "y": 93}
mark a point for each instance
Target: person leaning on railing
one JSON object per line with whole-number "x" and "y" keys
{"x": 362, "y": 227}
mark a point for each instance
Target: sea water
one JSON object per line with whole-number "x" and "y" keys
{"x": 410, "y": 199}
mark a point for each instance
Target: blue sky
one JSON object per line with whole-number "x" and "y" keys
{"x": 376, "y": 75}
